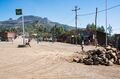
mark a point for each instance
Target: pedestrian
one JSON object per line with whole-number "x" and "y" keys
{"x": 28, "y": 42}
{"x": 82, "y": 43}
{"x": 96, "y": 43}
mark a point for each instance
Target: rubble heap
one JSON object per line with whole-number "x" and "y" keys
{"x": 107, "y": 56}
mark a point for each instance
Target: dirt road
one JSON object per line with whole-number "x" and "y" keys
{"x": 48, "y": 61}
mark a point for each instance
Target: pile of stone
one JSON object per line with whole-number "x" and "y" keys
{"x": 107, "y": 56}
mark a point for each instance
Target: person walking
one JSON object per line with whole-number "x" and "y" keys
{"x": 28, "y": 42}
{"x": 82, "y": 43}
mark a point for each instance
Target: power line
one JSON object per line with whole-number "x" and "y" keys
{"x": 92, "y": 13}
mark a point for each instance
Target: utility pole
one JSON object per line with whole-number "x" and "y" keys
{"x": 54, "y": 34}
{"x": 106, "y": 20}
{"x": 96, "y": 17}
{"x": 23, "y": 27}
{"x": 76, "y": 15}
{"x": 96, "y": 27}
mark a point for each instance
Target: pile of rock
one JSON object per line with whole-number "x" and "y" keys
{"x": 107, "y": 56}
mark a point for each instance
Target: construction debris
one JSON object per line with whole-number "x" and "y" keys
{"x": 107, "y": 56}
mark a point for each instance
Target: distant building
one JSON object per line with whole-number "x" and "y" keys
{"x": 93, "y": 36}
{"x": 3, "y": 36}
{"x": 101, "y": 38}
{"x": 117, "y": 41}
{"x": 11, "y": 36}
{"x": 89, "y": 37}
{"x": 7, "y": 36}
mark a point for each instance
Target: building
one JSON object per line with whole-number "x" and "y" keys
{"x": 93, "y": 37}
{"x": 88, "y": 36}
{"x": 7, "y": 36}
{"x": 11, "y": 36}
{"x": 101, "y": 38}
{"x": 117, "y": 41}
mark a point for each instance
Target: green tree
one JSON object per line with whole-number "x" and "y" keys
{"x": 60, "y": 30}
{"x": 101, "y": 29}
{"x": 91, "y": 26}
{"x": 57, "y": 31}
{"x": 109, "y": 29}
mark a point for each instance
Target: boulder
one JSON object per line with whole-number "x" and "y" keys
{"x": 108, "y": 48}
{"x": 76, "y": 60}
{"x": 109, "y": 63}
{"x": 114, "y": 49}
{"x": 88, "y": 61}
{"x": 118, "y": 61}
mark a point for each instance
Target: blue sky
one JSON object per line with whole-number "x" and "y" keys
{"x": 61, "y": 11}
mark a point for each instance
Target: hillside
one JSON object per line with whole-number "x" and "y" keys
{"x": 32, "y": 20}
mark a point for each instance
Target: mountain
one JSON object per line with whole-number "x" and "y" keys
{"x": 32, "y": 20}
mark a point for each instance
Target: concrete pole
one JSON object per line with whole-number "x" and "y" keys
{"x": 23, "y": 28}
{"x": 106, "y": 21}
{"x": 76, "y": 10}
{"x": 96, "y": 27}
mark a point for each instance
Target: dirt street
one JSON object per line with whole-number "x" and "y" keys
{"x": 47, "y": 60}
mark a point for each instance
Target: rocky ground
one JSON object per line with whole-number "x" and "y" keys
{"x": 48, "y": 60}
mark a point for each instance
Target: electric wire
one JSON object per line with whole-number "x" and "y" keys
{"x": 92, "y": 13}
